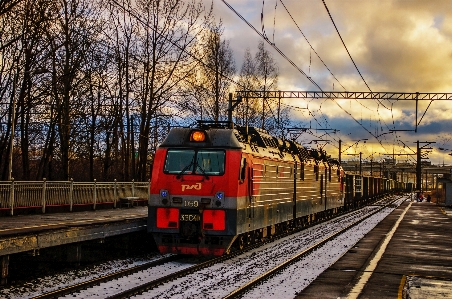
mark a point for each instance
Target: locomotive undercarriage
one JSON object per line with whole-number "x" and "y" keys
{"x": 191, "y": 239}
{"x": 207, "y": 245}
{"x": 270, "y": 232}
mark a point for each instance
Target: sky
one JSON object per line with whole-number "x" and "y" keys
{"x": 397, "y": 46}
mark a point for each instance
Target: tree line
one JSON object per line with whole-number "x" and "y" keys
{"x": 88, "y": 88}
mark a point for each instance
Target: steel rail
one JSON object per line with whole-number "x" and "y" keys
{"x": 249, "y": 285}
{"x": 90, "y": 283}
{"x": 168, "y": 278}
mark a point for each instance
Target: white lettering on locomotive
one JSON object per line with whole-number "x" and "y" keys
{"x": 191, "y": 203}
{"x": 190, "y": 217}
{"x": 196, "y": 186}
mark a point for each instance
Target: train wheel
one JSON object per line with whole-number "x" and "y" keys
{"x": 248, "y": 238}
{"x": 241, "y": 242}
{"x": 261, "y": 236}
{"x": 258, "y": 236}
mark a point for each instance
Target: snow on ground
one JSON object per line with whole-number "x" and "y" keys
{"x": 298, "y": 276}
{"x": 54, "y": 282}
{"x": 222, "y": 278}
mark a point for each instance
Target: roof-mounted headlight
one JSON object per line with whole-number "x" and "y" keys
{"x": 198, "y": 136}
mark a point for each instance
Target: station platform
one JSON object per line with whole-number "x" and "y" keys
{"x": 407, "y": 255}
{"x": 33, "y": 232}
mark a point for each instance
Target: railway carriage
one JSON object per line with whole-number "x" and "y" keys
{"x": 213, "y": 187}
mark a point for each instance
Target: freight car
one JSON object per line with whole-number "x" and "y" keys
{"x": 213, "y": 187}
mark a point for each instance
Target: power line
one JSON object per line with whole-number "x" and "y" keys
{"x": 351, "y": 58}
{"x": 312, "y": 48}
{"x": 296, "y": 67}
{"x": 343, "y": 43}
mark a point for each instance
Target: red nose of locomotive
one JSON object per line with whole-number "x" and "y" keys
{"x": 188, "y": 209}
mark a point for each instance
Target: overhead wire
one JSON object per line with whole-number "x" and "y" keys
{"x": 351, "y": 58}
{"x": 300, "y": 70}
{"x": 318, "y": 56}
{"x": 272, "y": 45}
{"x": 135, "y": 15}
{"x": 343, "y": 43}
{"x": 312, "y": 48}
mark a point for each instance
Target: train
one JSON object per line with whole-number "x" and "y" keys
{"x": 216, "y": 187}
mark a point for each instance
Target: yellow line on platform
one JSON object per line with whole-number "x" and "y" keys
{"x": 357, "y": 289}
{"x": 401, "y": 286}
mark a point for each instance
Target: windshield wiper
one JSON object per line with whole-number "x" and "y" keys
{"x": 202, "y": 171}
{"x": 185, "y": 169}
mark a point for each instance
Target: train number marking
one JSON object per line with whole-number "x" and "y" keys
{"x": 190, "y": 217}
{"x": 196, "y": 186}
{"x": 191, "y": 203}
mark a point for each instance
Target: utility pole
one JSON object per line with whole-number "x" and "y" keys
{"x": 418, "y": 163}
{"x": 360, "y": 164}
{"x": 231, "y": 107}
{"x": 418, "y": 167}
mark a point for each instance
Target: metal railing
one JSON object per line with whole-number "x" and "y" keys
{"x": 42, "y": 194}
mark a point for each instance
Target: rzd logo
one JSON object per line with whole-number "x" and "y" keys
{"x": 190, "y": 187}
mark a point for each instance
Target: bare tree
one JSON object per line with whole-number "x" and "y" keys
{"x": 7, "y": 5}
{"x": 21, "y": 28}
{"x": 267, "y": 76}
{"x": 168, "y": 32}
{"x": 124, "y": 31}
{"x": 216, "y": 70}
{"x": 71, "y": 40}
{"x": 248, "y": 112}
{"x": 85, "y": 94}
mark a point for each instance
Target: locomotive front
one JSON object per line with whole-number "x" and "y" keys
{"x": 193, "y": 206}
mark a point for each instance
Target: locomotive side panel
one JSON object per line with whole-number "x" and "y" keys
{"x": 334, "y": 193}
{"x": 271, "y": 193}
{"x": 304, "y": 202}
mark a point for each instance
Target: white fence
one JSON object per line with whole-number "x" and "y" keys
{"x": 42, "y": 194}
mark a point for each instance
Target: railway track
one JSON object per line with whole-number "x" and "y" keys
{"x": 297, "y": 257}
{"x": 96, "y": 281}
{"x": 242, "y": 289}
{"x": 165, "y": 279}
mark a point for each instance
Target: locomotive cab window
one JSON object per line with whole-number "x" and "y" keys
{"x": 201, "y": 162}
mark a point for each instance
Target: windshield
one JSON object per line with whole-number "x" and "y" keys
{"x": 186, "y": 161}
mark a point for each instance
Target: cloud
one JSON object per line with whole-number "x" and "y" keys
{"x": 398, "y": 45}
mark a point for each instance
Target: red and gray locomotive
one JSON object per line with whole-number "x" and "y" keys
{"x": 213, "y": 187}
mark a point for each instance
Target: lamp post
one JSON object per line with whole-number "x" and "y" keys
{"x": 372, "y": 162}
{"x": 418, "y": 162}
